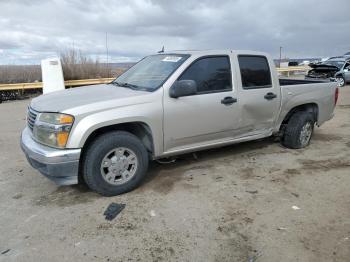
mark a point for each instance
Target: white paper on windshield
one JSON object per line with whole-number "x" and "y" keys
{"x": 173, "y": 59}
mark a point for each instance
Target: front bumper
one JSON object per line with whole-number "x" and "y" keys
{"x": 59, "y": 165}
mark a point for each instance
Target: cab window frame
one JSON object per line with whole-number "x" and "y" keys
{"x": 256, "y": 86}
{"x": 213, "y": 91}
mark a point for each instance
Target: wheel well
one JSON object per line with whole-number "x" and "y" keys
{"x": 310, "y": 107}
{"x": 339, "y": 74}
{"x": 139, "y": 129}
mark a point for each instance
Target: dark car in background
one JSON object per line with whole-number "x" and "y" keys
{"x": 335, "y": 67}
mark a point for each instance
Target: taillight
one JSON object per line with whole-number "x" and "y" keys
{"x": 336, "y": 95}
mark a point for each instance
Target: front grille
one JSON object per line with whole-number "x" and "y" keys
{"x": 32, "y": 114}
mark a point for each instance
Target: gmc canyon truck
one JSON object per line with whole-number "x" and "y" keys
{"x": 165, "y": 105}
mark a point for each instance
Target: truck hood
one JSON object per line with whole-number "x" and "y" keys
{"x": 324, "y": 67}
{"x": 68, "y": 99}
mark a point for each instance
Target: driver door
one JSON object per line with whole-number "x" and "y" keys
{"x": 206, "y": 117}
{"x": 347, "y": 71}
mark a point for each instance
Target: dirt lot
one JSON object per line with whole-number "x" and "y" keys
{"x": 231, "y": 204}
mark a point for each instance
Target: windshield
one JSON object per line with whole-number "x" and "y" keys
{"x": 336, "y": 63}
{"x": 151, "y": 72}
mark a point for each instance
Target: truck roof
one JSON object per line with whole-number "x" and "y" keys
{"x": 215, "y": 52}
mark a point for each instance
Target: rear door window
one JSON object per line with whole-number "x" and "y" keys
{"x": 255, "y": 71}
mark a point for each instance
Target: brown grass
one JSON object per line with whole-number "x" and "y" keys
{"x": 10, "y": 74}
{"x": 75, "y": 66}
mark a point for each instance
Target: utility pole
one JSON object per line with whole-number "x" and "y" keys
{"x": 107, "y": 65}
{"x": 280, "y": 56}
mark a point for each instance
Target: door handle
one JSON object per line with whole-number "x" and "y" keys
{"x": 270, "y": 96}
{"x": 228, "y": 100}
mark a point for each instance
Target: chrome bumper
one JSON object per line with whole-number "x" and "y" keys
{"x": 59, "y": 165}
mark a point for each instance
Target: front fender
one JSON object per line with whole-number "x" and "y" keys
{"x": 148, "y": 113}
{"x": 340, "y": 74}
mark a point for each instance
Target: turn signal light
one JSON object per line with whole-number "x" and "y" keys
{"x": 62, "y": 138}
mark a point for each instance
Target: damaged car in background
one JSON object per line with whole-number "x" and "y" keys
{"x": 334, "y": 67}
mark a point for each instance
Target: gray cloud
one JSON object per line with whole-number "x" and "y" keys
{"x": 32, "y": 30}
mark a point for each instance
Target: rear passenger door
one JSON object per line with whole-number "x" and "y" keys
{"x": 259, "y": 97}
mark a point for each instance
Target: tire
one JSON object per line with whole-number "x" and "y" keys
{"x": 107, "y": 180}
{"x": 340, "y": 80}
{"x": 293, "y": 136}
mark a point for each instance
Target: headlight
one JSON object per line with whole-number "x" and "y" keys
{"x": 53, "y": 129}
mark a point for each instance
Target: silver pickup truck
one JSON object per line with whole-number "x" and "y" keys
{"x": 165, "y": 105}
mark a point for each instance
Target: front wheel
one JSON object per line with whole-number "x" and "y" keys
{"x": 340, "y": 81}
{"x": 299, "y": 130}
{"x": 115, "y": 163}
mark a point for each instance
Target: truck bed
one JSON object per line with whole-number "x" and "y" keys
{"x": 289, "y": 81}
{"x": 300, "y": 91}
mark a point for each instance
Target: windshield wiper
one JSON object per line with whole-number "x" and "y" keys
{"x": 128, "y": 85}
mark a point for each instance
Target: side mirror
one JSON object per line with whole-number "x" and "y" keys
{"x": 183, "y": 88}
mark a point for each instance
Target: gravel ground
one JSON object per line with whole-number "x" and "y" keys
{"x": 230, "y": 204}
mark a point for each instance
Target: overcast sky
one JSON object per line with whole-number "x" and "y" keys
{"x": 31, "y": 29}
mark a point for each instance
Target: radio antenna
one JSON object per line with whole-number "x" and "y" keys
{"x": 161, "y": 51}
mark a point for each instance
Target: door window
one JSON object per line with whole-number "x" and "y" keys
{"x": 255, "y": 71}
{"x": 212, "y": 74}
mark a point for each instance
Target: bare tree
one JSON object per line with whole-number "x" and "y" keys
{"x": 78, "y": 66}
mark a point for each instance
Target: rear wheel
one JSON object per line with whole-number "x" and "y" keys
{"x": 299, "y": 130}
{"x": 115, "y": 163}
